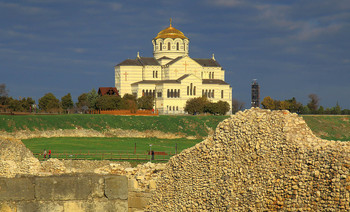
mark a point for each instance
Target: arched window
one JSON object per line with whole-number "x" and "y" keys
{"x": 146, "y": 92}
{"x": 194, "y": 90}
{"x": 209, "y": 75}
{"x": 170, "y": 108}
{"x": 191, "y": 89}
{"x": 156, "y": 74}
{"x": 222, "y": 94}
{"x": 177, "y": 46}
{"x": 168, "y": 93}
{"x": 143, "y": 92}
{"x": 171, "y": 93}
{"x": 202, "y": 92}
{"x": 178, "y": 93}
{"x": 188, "y": 90}
{"x": 169, "y": 46}
{"x": 206, "y": 93}
{"x": 213, "y": 94}
{"x": 209, "y": 94}
{"x": 173, "y": 107}
{"x": 212, "y": 75}
{"x": 160, "y": 46}
{"x": 153, "y": 74}
{"x": 175, "y": 93}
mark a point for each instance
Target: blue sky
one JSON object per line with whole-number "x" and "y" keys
{"x": 293, "y": 48}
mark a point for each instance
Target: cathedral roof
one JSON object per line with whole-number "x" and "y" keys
{"x": 170, "y": 32}
{"x": 130, "y": 62}
{"x": 207, "y": 62}
{"x": 214, "y": 81}
{"x": 148, "y": 61}
{"x": 140, "y": 61}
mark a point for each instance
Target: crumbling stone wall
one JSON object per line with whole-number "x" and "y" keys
{"x": 64, "y": 193}
{"x": 16, "y": 159}
{"x": 257, "y": 160}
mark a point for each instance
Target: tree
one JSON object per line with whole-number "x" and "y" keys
{"x": 92, "y": 97}
{"x": 237, "y": 105}
{"x": 82, "y": 101}
{"x": 294, "y": 106}
{"x": 108, "y": 102}
{"x": 67, "y": 102}
{"x": 129, "y": 102}
{"x": 49, "y": 103}
{"x": 14, "y": 105}
{"x": 145, "y": 102}
{"x": 268, "y": 103}
{"x": 222, "y": 107}
{"x": 313, "y": 103}
{"x": 3, "y": 94}
{"x": 196, "y": 105}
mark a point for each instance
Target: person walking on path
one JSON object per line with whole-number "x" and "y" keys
{"x": 45, "y": 153}
{"x": 49, "y": 153}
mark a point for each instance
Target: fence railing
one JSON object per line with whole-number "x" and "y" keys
{"x": 158, "y": 156}
{"x": 126, "y": 112}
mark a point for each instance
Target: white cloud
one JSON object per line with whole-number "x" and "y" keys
{"x": 23, "y": 8}
{"x": 224, "y": 3}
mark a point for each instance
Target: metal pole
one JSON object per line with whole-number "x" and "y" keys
{"x": 150, "y": 154}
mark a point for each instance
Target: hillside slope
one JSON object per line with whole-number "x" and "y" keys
{"x": 326, "y": 127}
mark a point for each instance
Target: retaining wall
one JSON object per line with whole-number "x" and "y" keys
{"x": 64, "y": 193}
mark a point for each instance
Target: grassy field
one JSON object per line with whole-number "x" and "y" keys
{"x": 186, "y": 125}
{"x": 329, "y": 127}
{"x": 107, "y": 147}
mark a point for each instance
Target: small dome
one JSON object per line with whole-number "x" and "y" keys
{"x": 170, "y": 32}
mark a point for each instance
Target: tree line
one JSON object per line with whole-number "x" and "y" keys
{"x": 86, "y": 101}
{"x": 312, "y": 107}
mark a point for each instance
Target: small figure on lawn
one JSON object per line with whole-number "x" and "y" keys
{"x": 49, "y": 153}
{"x": 45, "y": 153}
{"x": 152, "y": 155}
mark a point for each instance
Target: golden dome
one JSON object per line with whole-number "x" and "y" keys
{"x": 170, "y": 32}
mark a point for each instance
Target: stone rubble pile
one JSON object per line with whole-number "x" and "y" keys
{"x": 257, "y": 160}
{"x": 16, "y": 159}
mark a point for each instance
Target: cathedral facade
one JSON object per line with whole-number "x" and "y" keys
{"x": 171, "y": 76}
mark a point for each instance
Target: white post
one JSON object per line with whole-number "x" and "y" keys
{"x": 150, "y": 153}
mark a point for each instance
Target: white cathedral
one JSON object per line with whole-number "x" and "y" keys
{"x": 171, "y": 76}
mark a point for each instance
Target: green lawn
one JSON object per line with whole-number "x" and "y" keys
{"x": 186, "y": 125}
{"x": 329, "y": 127}
{"x": 116, "y": 147}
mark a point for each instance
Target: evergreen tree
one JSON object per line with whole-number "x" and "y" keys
{"x": 67, "y": 102}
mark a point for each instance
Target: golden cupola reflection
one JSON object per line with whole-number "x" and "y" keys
{"x": 170, "y": 32}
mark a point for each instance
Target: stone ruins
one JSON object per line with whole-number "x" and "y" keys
{"x": 257, "y": 160}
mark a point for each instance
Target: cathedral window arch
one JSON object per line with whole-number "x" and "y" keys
{"x": 156, "y": 74}
{"x": 153, "y": 74}
{"x": 209, "y": 94}
{"x": 188, "y": 90}
{"x": 168, "y": 45}
{"x": 191, "y": 88}
{"x": 177, "y": 46}
{"x": 194, "y": 90}
{"x": 160, "y": 46}
{"x": 173, "y": 107}
{"x": 222, "y": 94}
{"x": 168, "y": 94}
{"x": 212, "y": 75}
{"x": 178, "y": 93}
{"x": 175, "y": 93}
{"x": 172, "y": 93}
{"x": 206, "y": 93}
{"x": 209, "y": 75}
{"x": 213, "y": 93}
